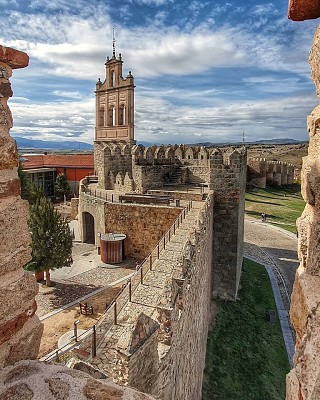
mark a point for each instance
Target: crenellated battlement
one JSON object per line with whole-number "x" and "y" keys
{"x": 262, "y": 173}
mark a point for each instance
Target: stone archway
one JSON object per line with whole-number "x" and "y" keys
{"x": 88, "y": 228}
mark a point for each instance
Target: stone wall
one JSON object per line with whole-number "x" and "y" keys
{"x": 151, "y": 176}
{"x": 262, "y": 173}
{"x": 93, "y": 206}
{"x": 144, "y": 225}
{"x": 20, "y": 328}
{"x": 228, "y": 181}
{"x": 303, "y": 382}
{"x": 162, "y": 344}
{"x": 181, "y": 369}
{"x": 110, "y": 159}
{"x": 74, "y": 207}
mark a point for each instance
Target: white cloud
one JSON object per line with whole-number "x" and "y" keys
{"x": 75, "y": 46}
{"x": 63, "y": 93}
{"x": 54, "y": 121}
{"x": 152, "y": 2}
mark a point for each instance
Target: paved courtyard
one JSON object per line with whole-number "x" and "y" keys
{"x": 85, "y": 276}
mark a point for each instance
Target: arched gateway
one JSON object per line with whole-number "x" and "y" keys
{"x": 88, "y": 228}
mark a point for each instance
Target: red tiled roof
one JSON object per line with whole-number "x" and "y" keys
{"x": 57, "y": 160}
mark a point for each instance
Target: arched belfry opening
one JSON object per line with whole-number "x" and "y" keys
{"x": 88, "y": 228}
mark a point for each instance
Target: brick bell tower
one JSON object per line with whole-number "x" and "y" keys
{"x": 115, "y": 103}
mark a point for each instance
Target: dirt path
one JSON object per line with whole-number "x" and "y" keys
{"x": 56, "y": 325}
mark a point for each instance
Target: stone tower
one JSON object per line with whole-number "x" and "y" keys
{"x": 115, "y": 103}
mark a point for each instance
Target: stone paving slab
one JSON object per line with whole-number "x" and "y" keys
{"x": 145, "y": 298}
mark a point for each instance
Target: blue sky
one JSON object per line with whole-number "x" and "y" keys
{"x": 204, "y": 70}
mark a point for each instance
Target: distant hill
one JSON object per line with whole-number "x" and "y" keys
{"x": 278, "y": 141}
{"x": 259, "y": 142}
{"x": 24, "y": 143}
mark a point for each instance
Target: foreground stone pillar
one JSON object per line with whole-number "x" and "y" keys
{"x": 303, "y": 382}
{"x": 20, "y": 328}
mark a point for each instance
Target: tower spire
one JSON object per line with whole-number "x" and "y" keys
{"x": 113, "y": 44}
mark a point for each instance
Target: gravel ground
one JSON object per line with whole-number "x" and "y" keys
{"x": 69, "y": 290}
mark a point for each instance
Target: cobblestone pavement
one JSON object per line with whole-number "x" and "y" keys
{"x": 266, "y": 243}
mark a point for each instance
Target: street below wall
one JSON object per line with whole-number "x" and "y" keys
{"x": 269, "y": 244}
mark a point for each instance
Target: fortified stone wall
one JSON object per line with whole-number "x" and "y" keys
{"x": 181, "y": 369}
{"x": 144, "y": 225}
{"x": 127, "y": 168}
{"x": 228, "y": 181}
{"x": 111, "y": 159}
{"x": 303, "y": 382}
{"x": 262, "y": 173}
{"x": 151, "y": 176}
{"x": 163, "y": 331}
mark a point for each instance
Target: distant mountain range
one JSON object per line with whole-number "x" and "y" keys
{"x": 24, "y": 143}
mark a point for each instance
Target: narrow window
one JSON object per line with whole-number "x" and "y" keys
{"x": 102, "y": 121}
{"x": 113, "y": 116}
{"x": 113, "y": 78}
{"x": 122, "y": 116}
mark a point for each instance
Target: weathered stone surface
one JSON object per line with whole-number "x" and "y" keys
{"x": 6, "y": 121}
{"x": 14, "y": 58}
{"x": 303, "y": 382}
{"x": 5, "y": 89}
{"x": 9, "y": 153}
{"x": 14, "y": 234}
{"x": 37, "y": 381}
{"x": 20, "y": 329}
{"x": 17, "y": 392}
{"x": 24, "y": 344}
{"x": 314, "y": 60}
{"x": 300, "y": 10}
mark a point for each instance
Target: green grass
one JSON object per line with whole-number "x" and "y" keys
{"x": 282, "y": 206}
{"x": 246, "y": 357}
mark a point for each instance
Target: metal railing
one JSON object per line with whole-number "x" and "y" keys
{"x": 110, "y": 316}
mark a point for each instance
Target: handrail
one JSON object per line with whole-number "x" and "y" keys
{"x": 114, "y": 308}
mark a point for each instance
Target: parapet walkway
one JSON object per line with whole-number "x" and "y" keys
{"x": 147, "y": 295}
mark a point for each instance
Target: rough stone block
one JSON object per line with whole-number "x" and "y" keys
{"x": 14, "y": 58}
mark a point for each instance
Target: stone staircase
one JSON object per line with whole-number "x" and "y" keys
{"x": 147, "y": 296}
{"x": 175, "y": 177}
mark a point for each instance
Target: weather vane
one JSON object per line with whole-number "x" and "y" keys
{"x": 113, "y": 44}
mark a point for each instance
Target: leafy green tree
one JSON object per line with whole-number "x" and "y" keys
{"x": 29, "y": 191}
{"x": 62, "y": 186}
{"x": 25, "y": 184}
{"x": 51, "y": 239}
